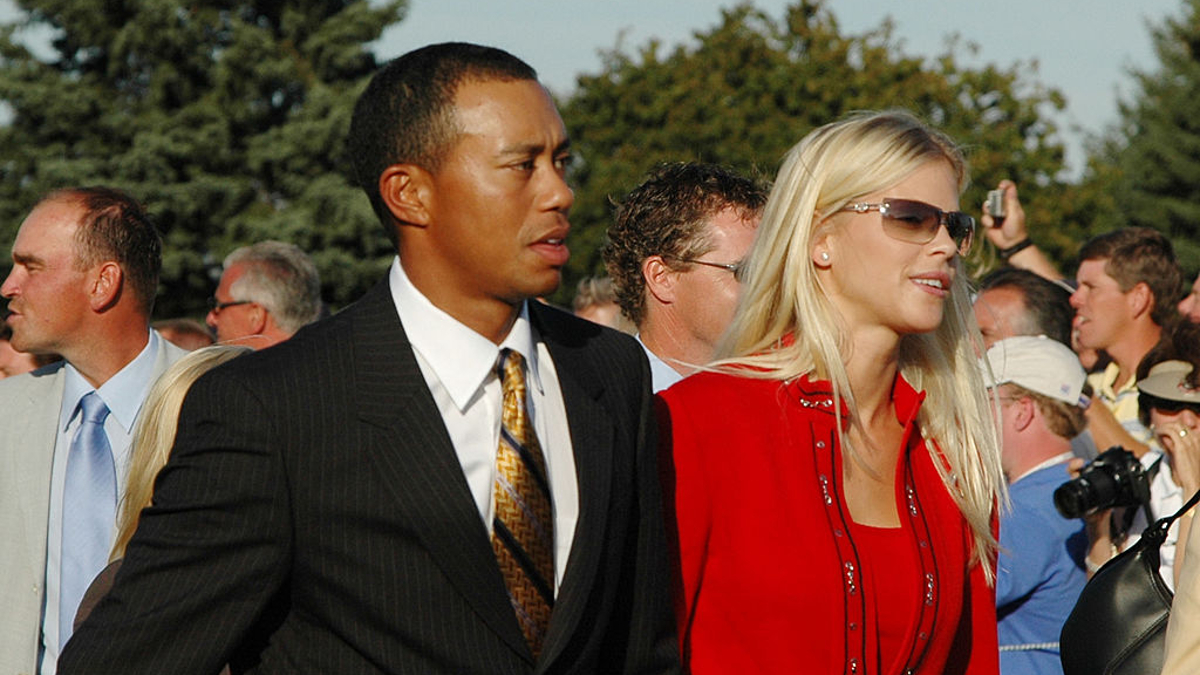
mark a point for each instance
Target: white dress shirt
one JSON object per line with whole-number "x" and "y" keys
{"x": 661, "y": 374}
{"x": 459, "y": 366}
{"x": 123, "y": 393}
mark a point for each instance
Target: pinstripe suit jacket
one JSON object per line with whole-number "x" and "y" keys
{"x": 314, "y": 518}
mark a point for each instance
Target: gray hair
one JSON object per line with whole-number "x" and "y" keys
{"x": 281, "y": 278}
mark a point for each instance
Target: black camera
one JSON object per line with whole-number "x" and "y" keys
{"x": 1114, "y": 478}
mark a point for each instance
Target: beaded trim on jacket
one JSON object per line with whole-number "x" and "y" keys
{"x": 828, "y": 456}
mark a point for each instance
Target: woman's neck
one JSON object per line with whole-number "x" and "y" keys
{"x": 871, "y": 370}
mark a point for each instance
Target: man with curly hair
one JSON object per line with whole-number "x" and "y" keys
{"x": 675, "y": 255}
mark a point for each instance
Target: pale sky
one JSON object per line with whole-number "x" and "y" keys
{"x": 1084, "y": 48}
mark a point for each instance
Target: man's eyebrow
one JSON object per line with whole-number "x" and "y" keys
{"x": 528, "y": 149}
{"x": 25, "y": 258}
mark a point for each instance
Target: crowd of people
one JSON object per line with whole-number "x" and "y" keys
{"x": 814, "y": 443}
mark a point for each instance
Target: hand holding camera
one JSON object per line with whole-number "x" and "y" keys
{"x": 1115, "y": 478}
{"x": 1004, "y": 227}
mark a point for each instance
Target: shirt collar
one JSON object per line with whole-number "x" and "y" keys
{"x": 123, "y": 393}
{"x": 1057, "y": 459}
{"x": 1109, "y": 377}
{"x": 461, "y": 359}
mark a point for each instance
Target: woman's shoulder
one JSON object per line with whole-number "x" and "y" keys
{"x": 705, "y": 385}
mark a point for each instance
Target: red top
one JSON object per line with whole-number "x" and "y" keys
{"x": 892, "y": 583}
{"x": 769, "y": 567}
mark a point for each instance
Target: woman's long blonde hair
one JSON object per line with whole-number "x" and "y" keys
{"x": 154, "y": 433}
{"x": 785, "y": 325}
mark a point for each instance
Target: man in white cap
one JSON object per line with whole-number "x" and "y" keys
{"x": 1040, "y": 572}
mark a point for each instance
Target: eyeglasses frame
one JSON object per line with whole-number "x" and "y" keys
{"x": 943, "y": 220}
{"x": 737, "y": 268}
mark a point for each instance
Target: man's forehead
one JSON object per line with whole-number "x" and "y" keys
{"x": 476, "y": 103}
{"x": 1094, "y": 269}
{"x": 51, "y": 222}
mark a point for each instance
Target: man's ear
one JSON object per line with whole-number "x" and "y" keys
{"x": 257, "y": 317}
{"x": 660, "y": 279}
{"x": 1140, "y": 298}
{"x": 1024, "y": 412}
{"x": 406, "y": 189}
{"x": 106, "y": 287}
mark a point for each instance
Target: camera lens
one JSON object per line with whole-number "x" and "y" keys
{"x": 1072, "y": 499}
{"x": 1092, "y": 490}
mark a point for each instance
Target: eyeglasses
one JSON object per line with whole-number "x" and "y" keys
{"x": 917, "y": 222}
{"x": 738, "y": 268}
{"x": 216, "y": 305}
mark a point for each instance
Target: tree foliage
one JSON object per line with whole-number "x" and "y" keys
{"x": 226, "y": 117}
{"x": 1150, "y": 164}
{"x": 750, "y": 88}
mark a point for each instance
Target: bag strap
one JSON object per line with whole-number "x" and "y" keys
{"x": 1158, "y": 531}
{"x": 1151, "y": 474}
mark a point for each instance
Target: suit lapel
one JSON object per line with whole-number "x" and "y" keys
{"x": 591, "y": 429}
{"x": 416, "y": 458}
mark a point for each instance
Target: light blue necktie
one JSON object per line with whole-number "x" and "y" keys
{"x": 89, "y": 511}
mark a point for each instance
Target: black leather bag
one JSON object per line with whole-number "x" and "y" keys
{"x": 1119, "y": 623}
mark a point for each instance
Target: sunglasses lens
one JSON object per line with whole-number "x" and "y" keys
{"x": 962, "y": 230}
{"x": 906, "y": 220}
{"x": 918, "y": 222}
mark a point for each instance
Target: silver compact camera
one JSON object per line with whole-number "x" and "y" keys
{"x": 995, "y": 204}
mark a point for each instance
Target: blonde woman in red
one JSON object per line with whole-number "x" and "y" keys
{"x": 834, "y": 475}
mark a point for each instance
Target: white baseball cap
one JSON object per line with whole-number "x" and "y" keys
{"x": 1041, "y": 365}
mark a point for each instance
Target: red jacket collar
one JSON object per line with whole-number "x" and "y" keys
{"x": 907, "y": 399}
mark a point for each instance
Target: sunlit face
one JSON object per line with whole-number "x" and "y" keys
{"x": 876, "y": 281}
{"x": 1103, "y": 312}
{"x": 498, "y": 205}
{"x": 48, "y": 297}
{"x": 999, "y": 313}
{"x": 1189, "y": 307}
{"x": 232, "y": 321}
{"x": 1004, "y": 411}
{"x": 706, "y": 296}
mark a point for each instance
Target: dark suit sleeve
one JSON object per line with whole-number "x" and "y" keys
{"x": 207, "y": 557}
{"x": 651, "y": 646}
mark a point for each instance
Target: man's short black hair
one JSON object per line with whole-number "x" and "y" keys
{"x": 1047, "y": 305}
{"x": 405, "y": 115}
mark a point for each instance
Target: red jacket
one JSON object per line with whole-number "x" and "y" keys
{"x": 767, "y": 574}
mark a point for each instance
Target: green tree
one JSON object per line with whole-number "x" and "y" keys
{"x": 227, "y": 118}
{"x": 750, "y": 88}
{"x": 1150, "y": 163}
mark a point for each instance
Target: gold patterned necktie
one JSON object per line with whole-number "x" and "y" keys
{"x": 523, "y": 528}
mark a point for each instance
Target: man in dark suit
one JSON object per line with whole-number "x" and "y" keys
{"x": 335, "y": 505}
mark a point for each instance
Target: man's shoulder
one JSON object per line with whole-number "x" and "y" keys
{"x": 32, "y": 385}
{"x": 564, "y": 329}
{"x": 317, "y": 351}
{"x": 1033, "y": 499}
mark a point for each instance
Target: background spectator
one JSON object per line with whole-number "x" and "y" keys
{"x": 675, "y": 253}
{"x": 267, "y": 292}
{"x": 187, "y": 334}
